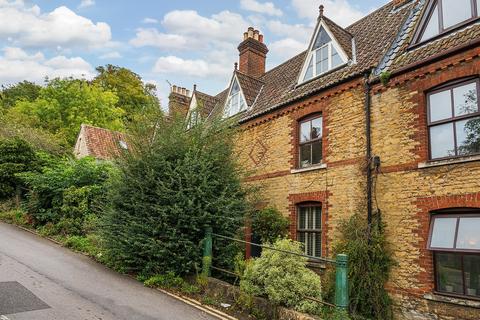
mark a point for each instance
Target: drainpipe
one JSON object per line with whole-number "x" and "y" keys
{"x": 369, "y": 147}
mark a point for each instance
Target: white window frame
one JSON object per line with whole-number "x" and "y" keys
{"x": 312, "y": 54}
{"x": 192, "y": 111}
{"x": 228, "y": 108}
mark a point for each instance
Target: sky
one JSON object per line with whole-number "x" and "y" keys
{"x": 181, "y": 42}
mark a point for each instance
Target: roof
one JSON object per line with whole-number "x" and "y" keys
{"x": 373, "y": 36}
{"x": 101, "y": 143}
{"x": 205, "y": 101}
{"x": 402, "y": 53}
{"x": 250, "y": 87}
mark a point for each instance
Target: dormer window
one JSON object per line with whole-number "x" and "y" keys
{"x": 443, "y": 15}
{"x": 193, "y": 116}
{"x": 236, "y": 100}
{"x": 324, "y": 54}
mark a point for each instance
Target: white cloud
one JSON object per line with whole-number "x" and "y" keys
{"x": 17, "y": 65}
{"x": 298, "y": 32}
{"x": 86, "y": 3}
{"x": 111, "y": 55}
{"x": 28, "y": 26}
{"x": 267, "y": 8}
{"x": 286, "y": 48}
{"x": 149, "y": 20}
{"x": 340, "y": 11}
{"x": 154, "y": 38}
{"x": 196, "y": 68}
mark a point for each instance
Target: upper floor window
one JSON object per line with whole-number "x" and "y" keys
{"x": 454, "y": 120}
{"x": 309, "y": 228}
{"x": 235, "y": 101}
{"x": 444, "y": 15}
{"x": 324, "y": 55}
{"x": 455, "y": 242}
{"x": 310, "y": 141}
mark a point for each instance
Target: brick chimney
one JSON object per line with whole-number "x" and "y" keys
{"x": 178, "y": 101}
{"x": 253, "y": 53}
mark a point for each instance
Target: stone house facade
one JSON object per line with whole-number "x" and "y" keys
{"x": 381, "y": 115}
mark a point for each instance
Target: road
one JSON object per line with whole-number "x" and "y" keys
{"x": 43, "y": 281}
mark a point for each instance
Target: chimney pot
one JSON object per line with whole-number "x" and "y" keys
{"x": 260, "y": 38}
{"x": 195, "y": 87}
{"x": 253, "y": 53}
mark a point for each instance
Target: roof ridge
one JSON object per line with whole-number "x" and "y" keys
{"x": 371, "y": 13}
{"x": 104, "y": 129}
{"x": 337, "y": 25}
{"x": 250, "y": 77}
{"x": 283, "y": 63}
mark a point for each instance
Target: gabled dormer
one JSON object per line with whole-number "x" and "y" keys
{"x": 442, "y": 16}
{"x": 235, "y": 102}
{"x": 331, "y": 47}
{"x": 193, "y": 115}
{"x": 201, "y": 104}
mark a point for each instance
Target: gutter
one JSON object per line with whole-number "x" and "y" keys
{"x": 368, "y": 155}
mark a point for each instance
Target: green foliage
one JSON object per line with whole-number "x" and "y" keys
{"x": 176, "y": 184}
{"x": 64, "y": 104}
{"x": 22, "y": 91}
{"x": 16, "y": 156}
{"x": 283, "y": 278}
{"x": 269, "y": 224}
{"x": 385, "y": 77}
{"x": 134, "y": 96}
{"x": 83, "y": 244}
{"x": 17, "y": 217}
{"x": 171, "y": 281}
{"x": 67, "y": 195}
{"x": 370, "y": 262}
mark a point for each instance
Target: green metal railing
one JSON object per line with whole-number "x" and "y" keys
{"x": 340, "y": 263}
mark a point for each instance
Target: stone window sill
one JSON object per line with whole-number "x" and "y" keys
{"x": 430, "y": 164}
{"x": 312, "y": 168}
{"x": 452, "y": 300}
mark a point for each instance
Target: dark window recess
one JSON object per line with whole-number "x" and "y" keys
{"x": 455, "y": 242}
{"x": 309, "y": 229}
{"x": 454, "y": 120}
{"x": 310, "y": 142}
{"x": 444, "y": 15}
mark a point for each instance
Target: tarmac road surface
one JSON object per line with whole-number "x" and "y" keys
{"x": 43, "y": 281}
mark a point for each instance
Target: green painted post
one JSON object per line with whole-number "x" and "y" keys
{"x": 207, "y": 252}
{"x": 341, "y": 282}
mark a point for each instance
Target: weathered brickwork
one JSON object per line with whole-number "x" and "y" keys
{"x": 405, "y": 190}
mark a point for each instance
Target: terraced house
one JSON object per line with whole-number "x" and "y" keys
{"x": 381, "y": 115}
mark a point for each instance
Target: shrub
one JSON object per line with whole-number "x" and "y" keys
{"x": 175, "y": 185}
{"x": 16, "y": 156}
{"x": 283, "y": 278}
{"x": 370, "y": 262}
{"x": 17, "y": 217}
{"x": 168, "y": 280}
{"x": 269, "y": 225}
{"x": 66, "y": 193}
{"x": 82, "y": 244}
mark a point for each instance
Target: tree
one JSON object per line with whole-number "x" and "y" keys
{"x": 22, "y": 91}
{"x": 64, "y": 104}
{"x": 171, "y": 187}
{"x": 134, "y": 96}
{"x": 16, "y": 156}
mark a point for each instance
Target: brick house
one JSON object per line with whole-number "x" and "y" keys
{"x": 381, "y": 115}
{"x": 99, "y": 143}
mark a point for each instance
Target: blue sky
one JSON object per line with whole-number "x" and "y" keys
{"x": 183, "y": 42}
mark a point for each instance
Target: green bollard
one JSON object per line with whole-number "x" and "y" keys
{"x": 207, "y": 253}
{"x": 341, "y": 282}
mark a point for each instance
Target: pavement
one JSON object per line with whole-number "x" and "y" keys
{"x": 40, "y": 280}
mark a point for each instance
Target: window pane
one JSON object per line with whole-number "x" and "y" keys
{"x": 318, "y": 218}
{"x": 301, "y": 238}
{"x": 478, "y": 7}
{"x": 432, "y": 28}
{"x": 440, "y": 106}
{"x": 322, "y": 39}
{"x": 305, "y": 131}
{"x": 468, "y": 136}
{"x": 235, "y": 87}
{"x": 336, "y": 60}
{"x": 302, "y": 213}
{"x": 310, "y": 243}
{"x": 316, "y": 128}
{"x": 242, "y": 103}
{"x": 441, "y": 141}
{"x": 468, "y": 233}
{"x": 305, "y": 155}
{"x": 309, "y": 72}
{"x": 455, "y": 11}
{"x": 471, "y": 266}
{"x": 318, "y": 245}
{"x": 317, "y": 152}
{"x": 465, "y": 99}
{"x": 310, "y": 217}
{"x": 449, "y": 272}
{"x": 443, "y": 233}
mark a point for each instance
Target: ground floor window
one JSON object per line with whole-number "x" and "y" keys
{"x": 455, "y": 242}
{"x": 309, "y": 228}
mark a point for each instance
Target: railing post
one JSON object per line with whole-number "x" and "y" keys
{"x": 207, "y": 252}
{"x": 341, "y": 282}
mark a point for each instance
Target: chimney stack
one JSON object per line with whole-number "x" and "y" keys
{"x": 179, "y": 100}
{"x": 253, "y": 53}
